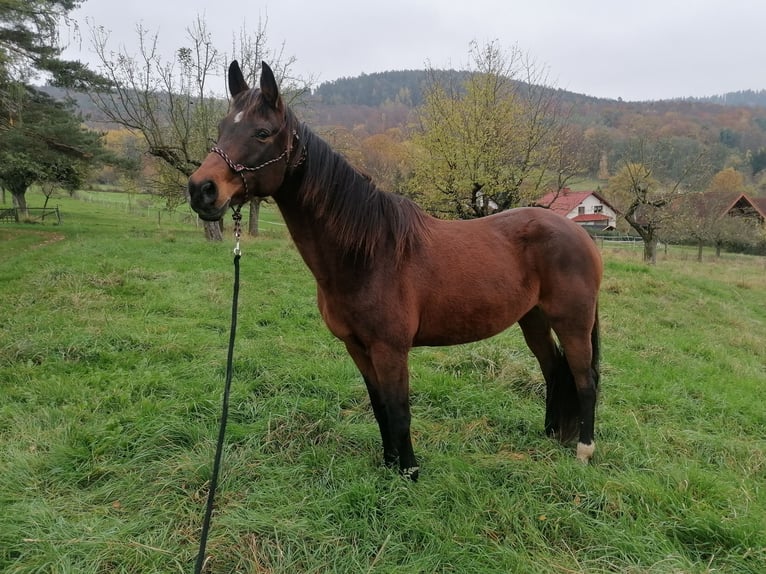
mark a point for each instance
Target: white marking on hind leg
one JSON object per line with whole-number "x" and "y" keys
{"x": 585, "y": 451}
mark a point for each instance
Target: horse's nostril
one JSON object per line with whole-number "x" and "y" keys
{"x": 209, "y": 192}
{"x": 203, "y": 194}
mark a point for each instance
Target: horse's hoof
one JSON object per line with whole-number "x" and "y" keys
{"x": 585, "y": 452}
{"x": 411, "y": 473}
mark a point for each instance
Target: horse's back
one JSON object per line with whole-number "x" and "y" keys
{"x": 529, "y": 238}
{"x": 478, "y": 277}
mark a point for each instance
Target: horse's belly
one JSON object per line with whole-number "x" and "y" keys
{"x": 474, "y": 301}
{"x": 458, "y": 327}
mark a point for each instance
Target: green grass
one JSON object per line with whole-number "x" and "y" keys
{"x": 112, "y": 349}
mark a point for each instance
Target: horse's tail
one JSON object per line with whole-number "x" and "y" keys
{"x": 563, "y": 404}
{"x": 595, "y": 343}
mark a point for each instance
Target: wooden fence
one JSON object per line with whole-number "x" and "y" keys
{"x": 15, "y": 215}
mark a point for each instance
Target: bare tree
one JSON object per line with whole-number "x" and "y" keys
{"x": 702, "y": 219}
{"x": 644, "y": 197}
{"x": 166, "y": 103}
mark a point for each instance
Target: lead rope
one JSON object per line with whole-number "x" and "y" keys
{"x": 201, "y": 558}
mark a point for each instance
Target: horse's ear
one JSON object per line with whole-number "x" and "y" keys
{"x": 269, "y": 87}
{"x": 237, "y": 81}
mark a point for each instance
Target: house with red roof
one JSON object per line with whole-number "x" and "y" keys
{"x": 586, "y": 208}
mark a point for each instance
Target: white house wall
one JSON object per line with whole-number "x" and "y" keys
{"x": 589, "y": 203}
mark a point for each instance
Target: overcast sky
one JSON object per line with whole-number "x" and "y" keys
{"x": 647, "y": 50}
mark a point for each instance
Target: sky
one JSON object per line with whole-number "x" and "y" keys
{"x": 637, "y": 51}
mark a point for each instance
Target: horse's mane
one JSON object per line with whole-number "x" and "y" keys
{"x": 362, "y": 216}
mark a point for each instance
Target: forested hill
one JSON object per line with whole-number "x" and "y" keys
{"x": 397, "y": 87}
{"x": 406, "y": 87}
{"x": 402, "y": 87}
{"x": 747, "y": 98}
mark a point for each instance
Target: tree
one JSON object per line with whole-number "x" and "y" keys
{"x": 46, "y": 144}
{"x": 635, "y": 192}
{"x": 727, "y": 180}
{"x": 29, "y": 45}
{"x": 386, "y": 158}
{"x": 171, "y": 105}
{"x": 597, "y": 142}
{"x": 41, "y": 140}
{"x": 758, "y": 161}
{"x": 165, "y": 103}
{"x": 493, "y": 141}
{"x": 701, "y": 219}
{"x": 646, "y": 185}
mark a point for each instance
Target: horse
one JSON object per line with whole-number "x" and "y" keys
{"x": 391, "y": 277}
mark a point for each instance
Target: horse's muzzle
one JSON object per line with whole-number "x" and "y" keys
{"x": 203, "y": 197}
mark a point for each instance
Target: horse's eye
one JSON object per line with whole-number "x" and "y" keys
{"x": 262, "y": 134}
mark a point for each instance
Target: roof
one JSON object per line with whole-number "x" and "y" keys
{"x": 760, "y": 204}
{"x": 757, "y": 203}
{"x": 709, "y": 204}
{"x": 591, "y": 218}
{"x": 565, "y": 200}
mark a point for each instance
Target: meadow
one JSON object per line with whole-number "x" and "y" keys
{"x": 113, "y": 335}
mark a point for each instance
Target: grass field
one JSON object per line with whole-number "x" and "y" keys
{"x": 113, "y": 333}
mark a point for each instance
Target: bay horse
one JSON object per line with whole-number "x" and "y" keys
{"x": 390, "y": 277}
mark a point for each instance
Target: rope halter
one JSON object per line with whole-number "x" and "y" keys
{"x": 241, "y": 168}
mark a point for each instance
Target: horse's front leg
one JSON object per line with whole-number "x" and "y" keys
{"x": 386, "y": 375}
{"x": 387, "y": 416}
{"x": 393, "y": 388}
{"x": 390, "y": 456}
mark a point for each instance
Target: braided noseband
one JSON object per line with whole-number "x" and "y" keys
{"x": 241, "y": 169}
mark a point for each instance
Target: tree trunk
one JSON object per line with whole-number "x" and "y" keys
{"x": 20, "y": 203}
{"x": 699, "y": 251}
{"x": 255, "y": 211}
{"x": 650, "y": 250}
{"x": 647, "y": 233}
{"x": 213, "y": 230}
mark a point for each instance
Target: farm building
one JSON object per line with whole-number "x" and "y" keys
{"x": 586, "y": 208}
{"x": 714, "y": 204}
{"x": 745, "y": 206}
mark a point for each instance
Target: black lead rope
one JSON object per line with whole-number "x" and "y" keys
{"x": 201, "y": 558}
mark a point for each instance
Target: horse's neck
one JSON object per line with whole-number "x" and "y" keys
{"x": 330, "y": 239}
{"x": 313, "y": 239}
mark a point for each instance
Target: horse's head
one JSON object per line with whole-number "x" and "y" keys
{"x": 253, "y": 150}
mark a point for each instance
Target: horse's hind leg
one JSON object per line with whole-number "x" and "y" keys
{"x": 581, "y": 355}
{"x": 558, "y": 379}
